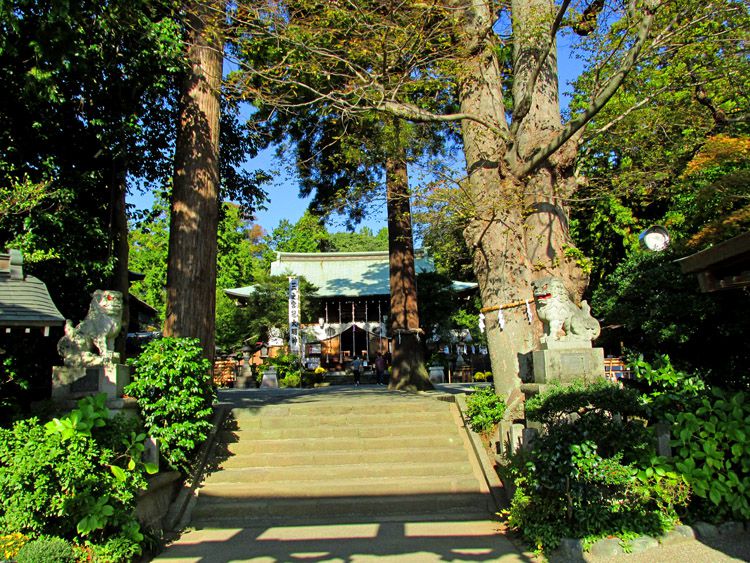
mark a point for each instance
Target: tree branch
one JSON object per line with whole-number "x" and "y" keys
{"x": 524, "y": 104}
{"x": 414, "y": 113}
{"x": 575, "y": 125}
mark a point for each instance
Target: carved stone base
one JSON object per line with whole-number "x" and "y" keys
{"x": 77, "y": 382}
{"x": 565, "y": 365}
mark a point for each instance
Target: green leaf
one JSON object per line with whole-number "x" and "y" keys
{"x": 118, "y": 472}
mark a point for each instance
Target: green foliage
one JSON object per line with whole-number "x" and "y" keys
{"x": 667, "y": 389}
{"x": 288, "y": 369}
{"x": 173, "y": 386}
{"x": 91, "y": 413}
{"x": 586, "y": 401}
{"x": 264, "y": 308}
{"x": 593, "y": 472}
{"x": 308, "y": 234}
{"x": 437, "y": 303}
{"x": 484, "y": 409}
{"x": 362, "y": 241}
{"x": 97, "y": 73}
{"x": 72, "y": 480}
{"x": 148, "y": 241}
{"x": 10, "y": 544}
{"x": 712, "y": 450}
{"x": 46, "y": 550}
{"x": 661, "y": 310}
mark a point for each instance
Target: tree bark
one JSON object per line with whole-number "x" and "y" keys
{"x": 518, "y": 229}
{"x": 191, "y": 261}
{"x": 121, "y": 249}
{"x": 408, "y": 371}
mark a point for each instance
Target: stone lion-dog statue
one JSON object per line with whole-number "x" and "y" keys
{"x": 558, "y": 312}
{"x": 92, "y": 341}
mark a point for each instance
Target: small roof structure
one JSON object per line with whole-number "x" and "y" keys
{"x": 24, "y": 300}
{"x": 723, "y": 266}
{"x": 344, "y": 274}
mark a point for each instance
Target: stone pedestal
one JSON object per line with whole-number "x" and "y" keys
{"x": 81, "y": 381}
{"x": 567, "y": 362}
{"x": 269, "y": 378}
{"x": 437, "y": 374}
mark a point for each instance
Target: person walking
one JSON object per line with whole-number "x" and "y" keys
{"x": 357, "y": 370}
{"x": 380, "y": 369}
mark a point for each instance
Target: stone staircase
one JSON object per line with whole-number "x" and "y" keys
{"x": 359, "y": 457}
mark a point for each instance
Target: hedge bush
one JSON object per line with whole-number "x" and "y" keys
{"x": 76, "y": 477}
{"x": 593, "y": 472}
{"x": 484, "y": 409}
{"x": 46, "y": 550}
{"x": 173, "y": 387}
{"x": 711, "y": 448}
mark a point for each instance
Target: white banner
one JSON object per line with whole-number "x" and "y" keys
{"x": 294, "y": 341}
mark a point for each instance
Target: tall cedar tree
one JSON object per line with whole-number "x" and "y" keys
{"x": 191, "y": 261}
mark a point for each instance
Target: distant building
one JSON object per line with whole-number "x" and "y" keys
{"x": 352, "y": 302}
{"x": 25, "y": 304}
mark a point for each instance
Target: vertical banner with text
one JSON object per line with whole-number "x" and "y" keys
{"x": 294, "y": 342}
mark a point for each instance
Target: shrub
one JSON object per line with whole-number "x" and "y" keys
{"x": 666, "y": 389}
{"x": 174, "y": 390}
{"x": 711, "y": 449}
{"x": 10, "y": 544}
{"x": 59, "y": 479}
{"x": 484, "y": 409}
{"x": 46, "y": 550}
{"x": 594, "y": 471}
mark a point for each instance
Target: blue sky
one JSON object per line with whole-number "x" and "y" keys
{"x": 284, "y": 201}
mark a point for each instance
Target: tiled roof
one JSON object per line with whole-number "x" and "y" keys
{"x": 24, "y": 300}
{"x": 344, "y": 273}
{"x": 338, "y": 274}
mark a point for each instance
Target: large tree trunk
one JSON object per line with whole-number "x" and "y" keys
{"x": 546, "y": 188}
{"x": 518, "y": 230}
{"x": 409, "y": 371}
{"x": 120, "y": 248}
{"x": 191, "y": 262}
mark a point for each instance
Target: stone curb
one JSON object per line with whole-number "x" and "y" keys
{"x": 179, "y": 512}
{"x": 492, "y": 479}
{"x": 572, "y": 549}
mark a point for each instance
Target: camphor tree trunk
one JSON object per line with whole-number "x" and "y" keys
{"x": 409, "y": 371}
{"x": 518, "y": 231}
{"x": 191, "y": 262}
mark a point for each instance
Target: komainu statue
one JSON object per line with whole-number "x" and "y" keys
{"x": 558, "y": 312}
{"x": 92, "y": 341}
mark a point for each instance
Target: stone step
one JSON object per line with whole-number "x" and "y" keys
{"x": 315, "y": 456}
{"x": 239, "y": 443}
{"x": 394, "y": 429}
{"x": 359, "y": 486}
{"x": 237, "y": 513}
{"x": 330, "y": 473}
{"x": 383, "y": 406}
{"x": 262, "y": 420}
